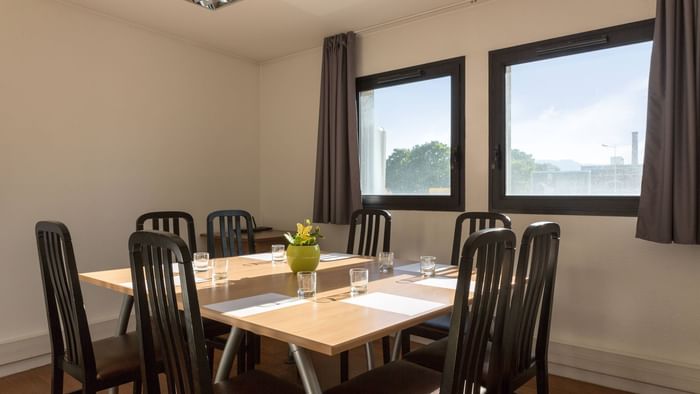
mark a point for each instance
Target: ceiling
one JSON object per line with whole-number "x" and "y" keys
{"x": 261, "y": 30}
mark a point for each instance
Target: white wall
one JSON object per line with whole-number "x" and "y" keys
{"x": 614, "y": 293}
{"x": 99, "y": 122}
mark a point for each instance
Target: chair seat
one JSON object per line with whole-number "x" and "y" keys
{"x": 433, "y": 356}
{"x": 256, "y": 382}
{"x": 441, "y": 323}
{"x": 117, "y": 358}
{"x": 396, "y": 377}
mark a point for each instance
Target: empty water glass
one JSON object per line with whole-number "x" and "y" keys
{"x": 307, "y": 284}
{"x": 220, "y": 269}
{"x": 427, "y": 265}
{"x": 386, "y": 261}
{"x": 359, "y": 277}
{"x": 200, "y": 262}
{"x": 277, "y": 253}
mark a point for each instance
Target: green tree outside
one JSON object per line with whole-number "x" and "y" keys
{"x": 415, "y": 170}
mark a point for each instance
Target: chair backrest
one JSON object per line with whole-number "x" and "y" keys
{"x": 68, "y": 326}
{"x": 533, "y": 295}
{"x": 180, "y": 335}
{"x": 230, "y": 231}
{"x": 489, "y": 253}
{"x": 170, "y": 221}
{"x": 368, "y": 222}
{"x": 472, "y": 222}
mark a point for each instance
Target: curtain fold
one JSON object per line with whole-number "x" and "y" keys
{"x": 337, "y": 191}
{"x": 669, "y": 205}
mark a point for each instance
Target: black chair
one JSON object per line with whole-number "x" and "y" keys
{"x": 171, "y": 222}
{"x": 181, "y": 335}
{"x": 533, "y": 293}
{"x": 370, "y": 223}
{"x": 174, "y": 222}
{"x": 472, "y": 362}
{"x": 97, "y": 365}
{"x": 466, "y": 224}
{"x": 229, "y": 224}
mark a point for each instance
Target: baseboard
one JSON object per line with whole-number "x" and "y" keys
{"x": 623, "y": 372}
{"x": 21, "y": 354}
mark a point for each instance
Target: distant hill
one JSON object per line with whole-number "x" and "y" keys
{"x": 563, "y": 165}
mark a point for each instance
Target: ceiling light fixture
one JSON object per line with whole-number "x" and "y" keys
{"x": 212, "y": 4}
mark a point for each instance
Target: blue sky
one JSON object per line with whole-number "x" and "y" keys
{"x": 562, "y": 108}
{"x": 568, "y": 107}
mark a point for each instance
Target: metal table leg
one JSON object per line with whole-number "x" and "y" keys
{"x": 233, "y": 343}
{"x": 396, "y": 352}
{"x": 306, "y": 369}
{"x": 125, "y": 314}
{"x": 369, "y": 352}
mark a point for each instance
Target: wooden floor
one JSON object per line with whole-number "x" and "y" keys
{"x": 274, "y": 359}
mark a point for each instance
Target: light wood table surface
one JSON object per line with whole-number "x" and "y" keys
{"x": 324, "y": 324}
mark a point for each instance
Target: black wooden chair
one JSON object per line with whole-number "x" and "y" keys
{"x": 230, "y": 230}
{"x": 175, "y": 222}
{"x": 532, "y": 297}
{"x": 172, "y": 222}
{"x": 181, "y": 335}
{"x": 230, "y": 225}
{"x": 472, "y": 362}
{"x": 366, "y": 226}
{"x": 466, "y": 224}
{"x": 97, "y": 365}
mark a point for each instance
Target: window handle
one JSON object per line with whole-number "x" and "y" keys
{"x": 496, "y": 163}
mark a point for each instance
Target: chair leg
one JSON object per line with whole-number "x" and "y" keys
{"x": 137, "y": 386}
{"x": 542, "y": 377}
{"x": 386, "y": 350}
{"x": 56, "y": 380}
{"x": 210, "y": 354}
{"x": 405, "y": 343}
{"x": 344, "y": 366}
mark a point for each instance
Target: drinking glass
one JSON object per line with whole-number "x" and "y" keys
{"x": 427, "y": 265}
{"x": 220, "y": 269}
{"x": 307, "y": 284}
{"x": 386, "y": 261}
{"x": 277, "y": 253}
{"x": 200, "y": 262}
{"x": 359, "y": 277}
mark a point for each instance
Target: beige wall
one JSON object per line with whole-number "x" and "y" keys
{"x": 614, "y": 293}
{"x": 99, "y": 122}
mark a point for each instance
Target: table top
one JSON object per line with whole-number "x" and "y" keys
{"x": 329, "y": 324}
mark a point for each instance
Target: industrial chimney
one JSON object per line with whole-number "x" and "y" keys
{"x": 635, "y": 148}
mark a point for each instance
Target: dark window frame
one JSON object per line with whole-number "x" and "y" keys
{"x": 454, "y": 68}
{"x": 499, "y": 60}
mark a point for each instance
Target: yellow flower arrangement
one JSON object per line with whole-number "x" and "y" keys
{"x": 306, "y": 235}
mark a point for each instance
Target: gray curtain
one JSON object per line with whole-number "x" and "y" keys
{"x": 669, "y": 207}
{"x": 337, "y": 192}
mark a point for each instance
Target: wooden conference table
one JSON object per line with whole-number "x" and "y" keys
{"x": 261, "y": 298}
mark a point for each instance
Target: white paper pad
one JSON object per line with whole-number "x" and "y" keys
{"x": 259, "y": 256}
{"x": 416, "y": 267}
{"x": 445, "y": 283}
{"x": 325, "y": 257}
{"x": 177, "y": 282}
{"x": 393, "y": 303}
{"x": 256, "y": 304}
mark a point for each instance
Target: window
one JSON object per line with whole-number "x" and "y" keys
{"x": 568, "y": 121}
{"x": 411, "y": 124}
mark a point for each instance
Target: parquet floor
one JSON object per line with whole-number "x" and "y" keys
{"x": 274, "y": 357}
